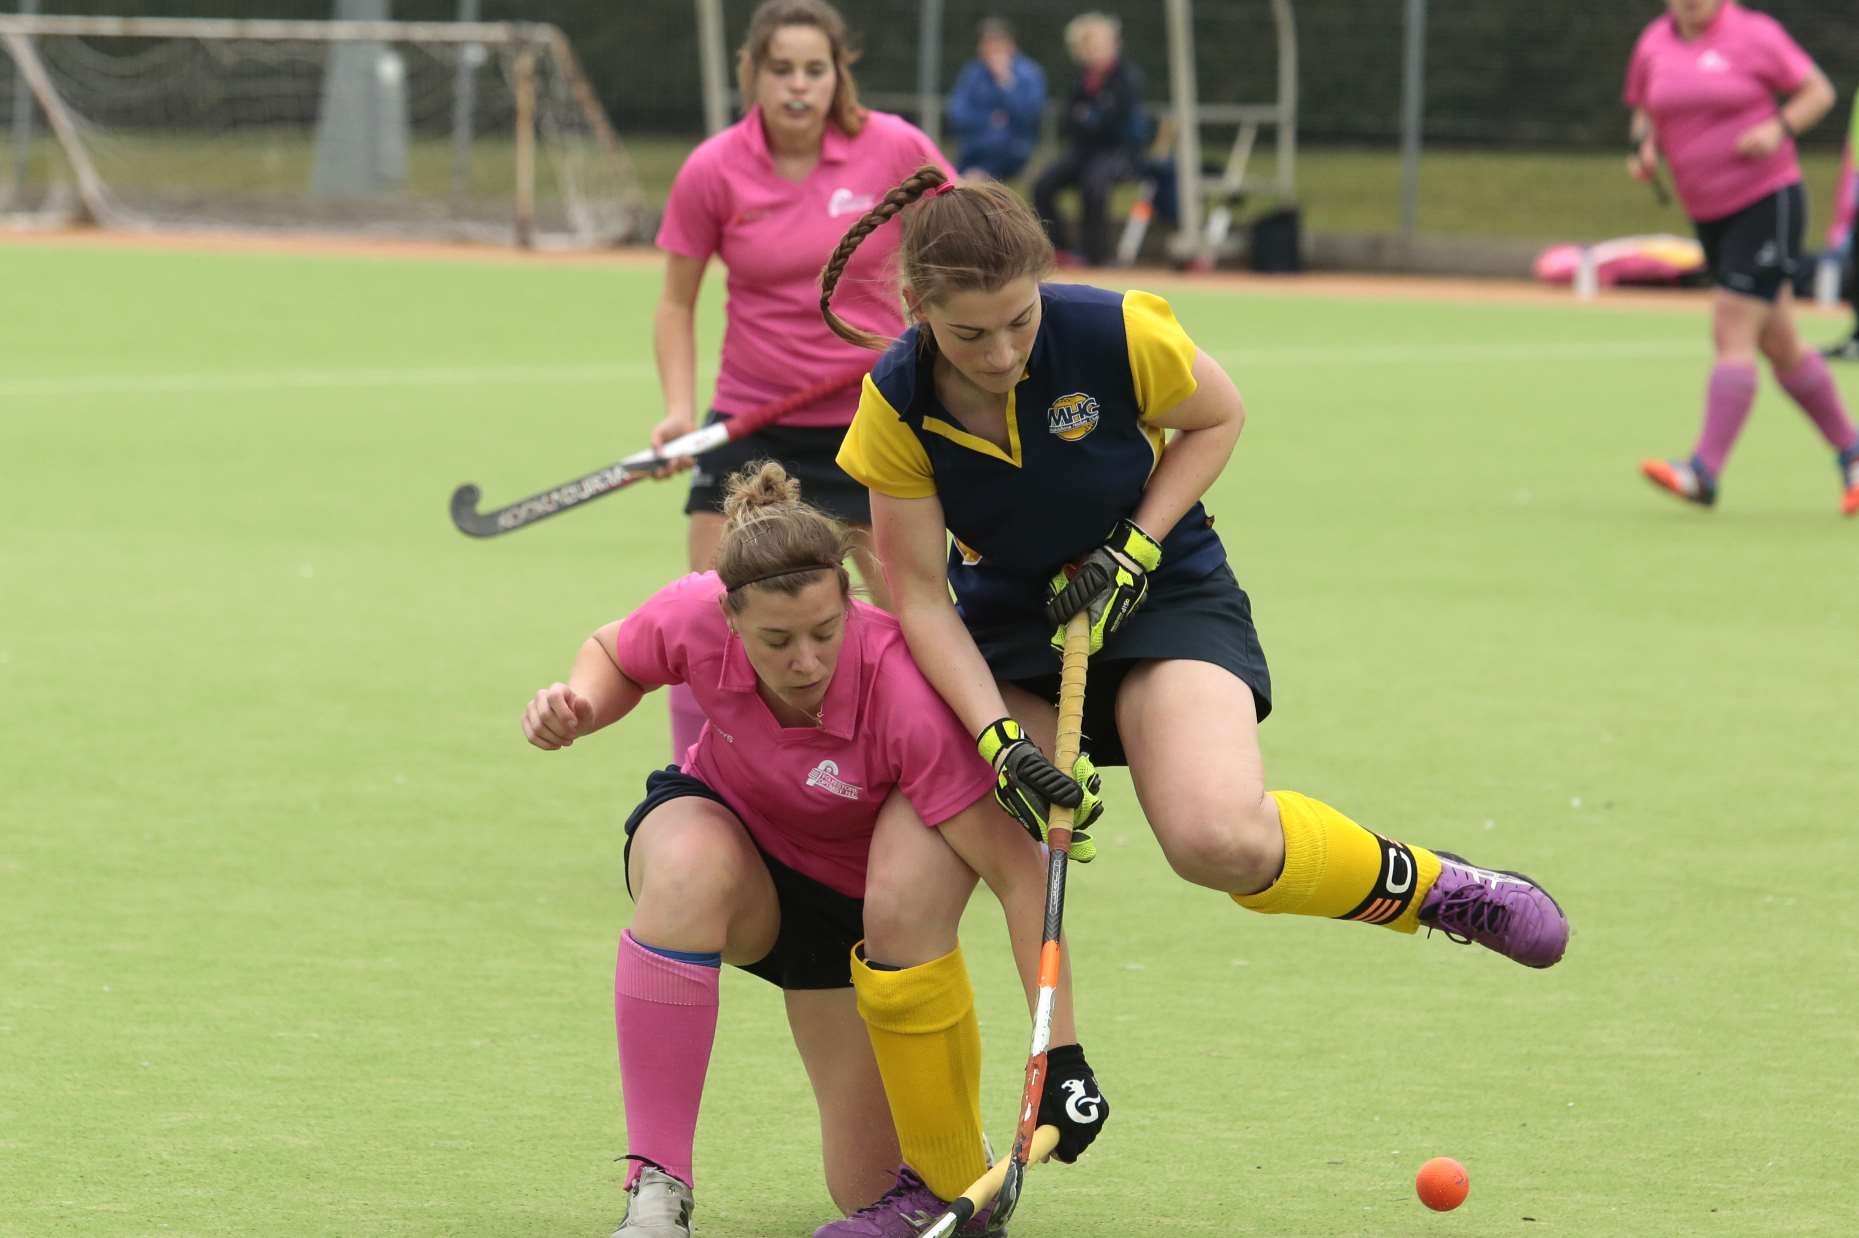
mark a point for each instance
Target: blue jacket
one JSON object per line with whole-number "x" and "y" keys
{"x": 978, "y": 98}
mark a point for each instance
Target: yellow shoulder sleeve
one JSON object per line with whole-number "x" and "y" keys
{"x": 1161, "y": 354}
{"x": 883, "y": 452}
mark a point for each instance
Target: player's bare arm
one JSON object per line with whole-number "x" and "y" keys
{"x": 598, "y": 693}
{"x": 674, "y": 345}
{"x": 913, "y": 545}
{"x": 1206, "y": 427}
{"x": 1642, "y": 146}
{"x": 1803, "y": 110}
{"x": 1810, "y": 104}
{"x": 1002, "y": 855}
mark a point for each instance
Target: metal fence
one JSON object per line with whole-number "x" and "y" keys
{"x": 1499, "y": 72}
{"x": 1524, "y": 85}
{"x": 1511, "y": 73}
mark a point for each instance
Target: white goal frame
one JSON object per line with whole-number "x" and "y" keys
{"x": 529, "y": 42}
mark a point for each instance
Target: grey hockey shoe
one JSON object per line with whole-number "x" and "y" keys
{"x": 658, "y": 1206}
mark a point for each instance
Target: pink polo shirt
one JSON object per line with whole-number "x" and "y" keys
{"x": 774, "y": 236}
{"x": 809, "y": 795}
{"x": 1704, "y": 93}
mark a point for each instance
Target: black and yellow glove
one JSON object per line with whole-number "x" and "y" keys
{"x": 1027, "y": 785}
{"x": 1109, "y": 584}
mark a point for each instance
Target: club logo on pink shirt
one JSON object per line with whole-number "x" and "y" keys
{"x": 846, "y": 202}
{"x": 825, "y": 775}
{"x": 1712, "y": 61}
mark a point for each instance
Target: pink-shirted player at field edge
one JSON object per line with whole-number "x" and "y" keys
{"x": 831, "y": 796}
{"x": 771, "y": 196}
{"x": 1840, "y": 238}
{"x": 1721, "y": 93}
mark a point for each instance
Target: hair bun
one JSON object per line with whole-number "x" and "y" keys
{"x": 763, "y": 483}
{"x": 772, "y": 538}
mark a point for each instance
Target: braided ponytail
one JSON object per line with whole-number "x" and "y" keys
{"x": 973, "y": 237}
{"x": 913, "y": 187}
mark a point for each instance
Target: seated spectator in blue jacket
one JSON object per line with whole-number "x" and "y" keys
{"x": 1104, "y": 129}
{"x": 995, "y": 108}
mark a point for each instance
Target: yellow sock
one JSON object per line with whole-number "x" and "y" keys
{"x": 1335, "y": 868}
{"x": 923, "y": 1032}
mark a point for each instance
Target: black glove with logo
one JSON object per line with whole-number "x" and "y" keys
{"x": 1072, "y": 1101}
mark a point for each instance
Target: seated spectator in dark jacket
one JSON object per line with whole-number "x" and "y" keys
{"x": 995, "y": 109}
{"x": 1103, "y": 129}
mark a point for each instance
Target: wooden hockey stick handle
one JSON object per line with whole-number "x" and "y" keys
{"x": 962, "y": 1209}
{"x": 1070, "y": 737}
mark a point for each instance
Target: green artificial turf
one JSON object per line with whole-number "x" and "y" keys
{"x": 302, "y": 939}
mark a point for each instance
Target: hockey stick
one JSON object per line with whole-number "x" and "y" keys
{"x": 1659, "y": 192}
{"x": 1654, "y": 181}
{"x": 636, "y": 467}
{"x": 1032, "y": 1143}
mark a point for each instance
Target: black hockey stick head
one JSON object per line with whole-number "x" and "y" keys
{"x": 466, "y": 516}
{"x": 541, "y": 506}
{"x": 1009, "y": 1197}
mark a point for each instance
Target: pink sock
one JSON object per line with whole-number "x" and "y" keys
{"x": 1812, "y": 388}
{"x": 1727, "y": 399}
{"x": 665, "y": 1013}
{"x": 687, "y": 721}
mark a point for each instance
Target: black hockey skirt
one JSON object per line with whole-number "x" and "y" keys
{"x": 1204, "y": 620}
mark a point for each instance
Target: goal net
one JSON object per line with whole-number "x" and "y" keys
{"x": 467, "y": 131}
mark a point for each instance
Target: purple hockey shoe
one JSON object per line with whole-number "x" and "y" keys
{"x": 904, "y": 1211}
{"x": 1502, "y": 911}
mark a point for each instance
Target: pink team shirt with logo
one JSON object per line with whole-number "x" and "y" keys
{"x": 1704, "y": 93}
{"x": 808, "y": 795}
{"x": 774, "y": 235}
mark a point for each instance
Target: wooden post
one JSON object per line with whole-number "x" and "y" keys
{"x": 526, "y": 145}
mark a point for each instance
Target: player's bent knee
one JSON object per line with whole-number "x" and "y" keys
{"x": 688, "y": 873}
{"x": 1227, "y": 852}
{"x": 904, "y": 928}
{"x": 888, "y": 916}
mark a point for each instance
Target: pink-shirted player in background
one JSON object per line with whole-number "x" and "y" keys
{"x": 832, "y": 796}
{"x": 1840, "y": 238}
{"x": 1704, "y": 84}
{"x": 771, "y": 196}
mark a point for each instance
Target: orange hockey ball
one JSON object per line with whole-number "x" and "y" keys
{"x": 1442, "y": 1184}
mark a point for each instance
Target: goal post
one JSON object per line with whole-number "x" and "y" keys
{"x": 483, "y": 131}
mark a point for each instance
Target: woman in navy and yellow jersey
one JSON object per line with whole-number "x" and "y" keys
{"x": 1063, "y": 436}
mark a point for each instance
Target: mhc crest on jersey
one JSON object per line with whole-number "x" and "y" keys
{"x": 1073, "y": 416}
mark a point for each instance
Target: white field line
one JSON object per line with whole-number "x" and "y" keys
{"x": 458, "y": 376}
{"x": 320, "y": 379}
{"x": 1437, "y": 354}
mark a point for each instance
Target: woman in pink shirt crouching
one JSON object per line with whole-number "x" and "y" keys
{"x": 832, "y": 796}
{"x": 771, "y": 196}
{"x": 1703, "y": 85}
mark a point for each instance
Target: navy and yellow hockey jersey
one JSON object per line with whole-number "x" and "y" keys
{"x": 1080, "y": 449}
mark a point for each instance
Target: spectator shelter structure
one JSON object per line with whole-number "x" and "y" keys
{"x": 1206, "y": 199}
